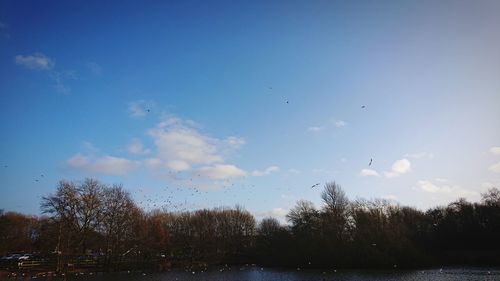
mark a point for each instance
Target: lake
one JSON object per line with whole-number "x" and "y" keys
{"x": 257, "y": 273}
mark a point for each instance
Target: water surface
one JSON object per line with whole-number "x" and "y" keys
{"x": 257, "y": 274}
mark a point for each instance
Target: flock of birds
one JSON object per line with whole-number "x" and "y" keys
{"x": 168, "y": 200}
{"x": 151, "y": 202}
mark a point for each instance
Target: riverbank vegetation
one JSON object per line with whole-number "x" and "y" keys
{"x": 96, "y": 225}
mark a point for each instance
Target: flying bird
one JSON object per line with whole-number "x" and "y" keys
{"x": 363, "y": 106}
{"x": 371, "y": 160}
{"x": 315, "y": 185}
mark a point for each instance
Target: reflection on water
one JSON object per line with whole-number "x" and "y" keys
{"x": 257, "y": 273}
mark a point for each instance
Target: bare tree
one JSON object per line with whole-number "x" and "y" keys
{"x": 336, "y": 202}
{"x": 335, "y": 212}
{"x": 303, "y": 216}
{"x": 119, "y": 213}
{"x": 77, "y": 208}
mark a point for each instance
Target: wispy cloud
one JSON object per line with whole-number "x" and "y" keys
{"x": 36, "y": 61}
{"x": 41, "y": 62}
{"x": 328, "y": 126}
{"x": 106, "y": 165}
{"x": 267, "y": 171}
{"x": 315, "y": 129}
{"x": 368, "y": 173}
{"x": 94, "y": 68}
{"x": 139, "y": 108}
{"x": 136, "y": 147}
{"x": 339, "y": 123}
{"x": 398, "y": 168}
{"x": 4, "y": 30}
{"x": 60, "y": 78}
{"x": 235, "y": 142}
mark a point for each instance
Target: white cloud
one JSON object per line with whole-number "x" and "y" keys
{"x": 178, "y": 165}
{"x": 114, "y": 165}
{"x": 368, "y": 173}
{"x": 446, "y": 191}
{"x": 495, "y": 150}
{"x": 495, "y": 168}
{"x": 428, "y": 186}
{"x": 153, "y": 163}
{"x": 136, "y": 147}
{"x": 265, "y": 172}
{"x": 420, "y": 155}
{"x": 95, "y": 68}
{"x": 182, "y": 146}
{"x": 37, "y": 61}
{"x": 139, "y": 108}
{"x": 399, "y": 167}
{"x": 315, "y": 129}
{"x": 340, "y": 123}
{"x": 222, "y": 172}
{"x": 78, "y": 161}
{"x": 178, "y": 147}
{"x": 277, "y": 213}
{"x": 106, "y": 165}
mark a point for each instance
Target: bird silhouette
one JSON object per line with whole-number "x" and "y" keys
{"x": 313, "y": 186}
{"x": 371, "y": 160}
{"x": 363, "y": 106}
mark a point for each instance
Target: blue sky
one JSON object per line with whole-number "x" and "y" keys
{"x": 228, "y": 102}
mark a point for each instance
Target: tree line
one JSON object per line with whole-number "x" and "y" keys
{"x": 90, "y": 218}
